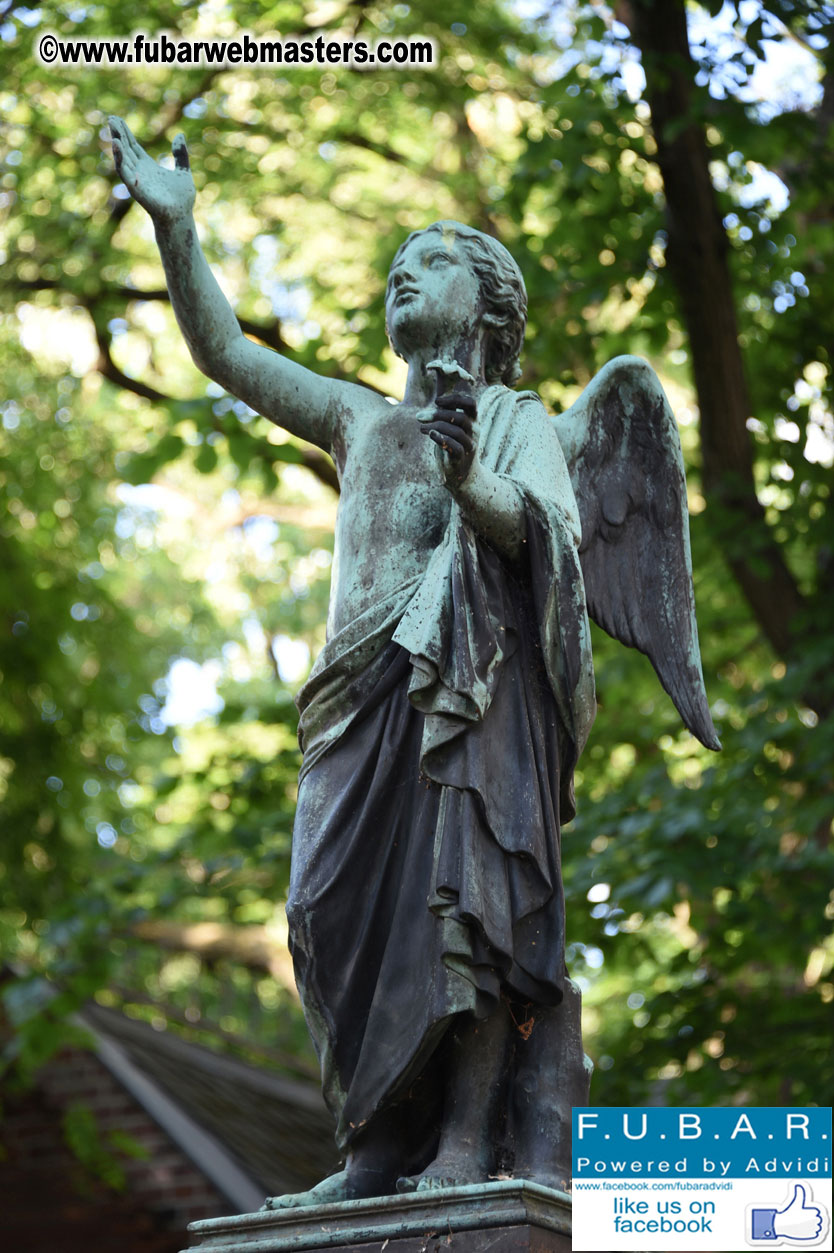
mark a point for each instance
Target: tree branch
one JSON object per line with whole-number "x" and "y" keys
{"x": 268, "y": 333}
{"x": 320, "y": 464}
{"x": 253, "y": 947}
{"x": 108, "y": 368}
{"x": 356, "y": 140}
{"x": 313, "y": 459}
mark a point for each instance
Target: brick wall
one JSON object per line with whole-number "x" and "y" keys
{"x": 49, "y": 1203}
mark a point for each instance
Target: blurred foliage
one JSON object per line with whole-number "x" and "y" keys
{"x": 99, "y": 1154}
{"x": 148, "y": 519}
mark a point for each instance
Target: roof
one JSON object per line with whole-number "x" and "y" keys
{"x": 254, "y": 1132}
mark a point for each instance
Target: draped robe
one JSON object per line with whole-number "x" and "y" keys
{"x": 440, "y": 729}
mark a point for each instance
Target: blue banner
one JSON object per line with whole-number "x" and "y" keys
{"x": 695, "y": 1143}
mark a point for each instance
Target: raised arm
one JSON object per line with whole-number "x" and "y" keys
{"x": 286, "y": 393}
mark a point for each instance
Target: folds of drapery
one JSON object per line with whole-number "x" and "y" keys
{"x": 440, "y": 730}
{"x": 450, "y": 620}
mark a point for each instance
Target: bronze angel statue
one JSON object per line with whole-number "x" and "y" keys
{"x": 442, "y": 722}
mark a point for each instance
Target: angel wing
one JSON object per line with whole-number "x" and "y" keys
{"x": 623, "y": 451}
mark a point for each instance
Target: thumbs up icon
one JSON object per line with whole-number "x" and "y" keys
{"x": 798, "y": 1221}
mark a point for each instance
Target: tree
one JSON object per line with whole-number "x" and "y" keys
{"x": 709, "y": 985}
{"x": 709, "y": 910}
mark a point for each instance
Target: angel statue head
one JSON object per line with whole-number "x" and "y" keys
{"x": 503, "y": 297}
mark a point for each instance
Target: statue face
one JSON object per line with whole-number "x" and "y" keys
{"x": 434, "y": 297}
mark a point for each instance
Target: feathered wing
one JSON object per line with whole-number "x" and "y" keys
{"x": 624, "y": 456}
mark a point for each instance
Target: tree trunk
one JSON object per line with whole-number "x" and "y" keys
{"x": 697, "y": 256}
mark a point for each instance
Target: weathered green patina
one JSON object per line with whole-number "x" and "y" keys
{"x": 499, "y": 1215}
{"x": 443, "y": 720}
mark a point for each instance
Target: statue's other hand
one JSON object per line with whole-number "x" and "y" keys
{"x": 166, "y": 194}
{"x": 452, "y": 428}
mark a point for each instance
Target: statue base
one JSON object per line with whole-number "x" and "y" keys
{"x": 508, "y": 1214}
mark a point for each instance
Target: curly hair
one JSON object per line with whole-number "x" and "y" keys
{"x": 503, "y": 293}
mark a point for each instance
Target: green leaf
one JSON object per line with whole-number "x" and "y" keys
{"x": 168, "y": 449}
{"x": 205, "y": 459}
{"x": 286, "y": 452}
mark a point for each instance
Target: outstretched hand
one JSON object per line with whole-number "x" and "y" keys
{"x": 166, "y": 194}
{"x": 452, "y": 428}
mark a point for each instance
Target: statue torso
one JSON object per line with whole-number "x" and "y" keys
{"x": 393, "y": 511}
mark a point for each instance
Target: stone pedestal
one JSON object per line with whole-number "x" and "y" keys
{"x": 506, "y": 1216}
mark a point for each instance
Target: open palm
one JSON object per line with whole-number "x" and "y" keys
{"x": 166, "y": 194}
